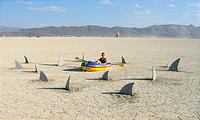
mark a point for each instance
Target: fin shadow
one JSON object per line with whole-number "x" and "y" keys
{"x": 136, "y": 79}
{"x": 96, "y": 79}
{"x": 92, "y": 79}
{"x": 24, "y": 63}
{"x": 163, "y": 66}
{"x": 173, "y": 71}
{"x": 74, "y": 69}
{"x": 69, "y": 60}
{"x": 53, "y": 88}
{"x": 29, "y": 63}
{"x": 29, "y": 71}
{"x": 170, "y": 70}
{"x": 116, "y": 63}
{"x": 49, "y": 64}
{"x": 42, "y": 81}
{"x": 73, "y": 60}
{"x": 110, "y": 93}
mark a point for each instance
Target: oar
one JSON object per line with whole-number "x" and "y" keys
{"x": 77, "y": 58}
{"x": 83, "y": 58}
{"x": 121, "y": 64}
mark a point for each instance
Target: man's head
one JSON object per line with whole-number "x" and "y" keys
{"x": 102, "y": 54}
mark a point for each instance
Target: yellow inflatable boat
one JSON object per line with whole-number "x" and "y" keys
{"x": 93, "y": 66}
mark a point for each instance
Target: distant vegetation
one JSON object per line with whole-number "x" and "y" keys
{"x": 172, "y": 31}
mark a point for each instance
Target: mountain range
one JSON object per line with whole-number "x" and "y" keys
{"x": 170, "y": 30}
{"x": 8, "y": 29}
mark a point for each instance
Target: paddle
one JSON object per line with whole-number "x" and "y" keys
{"x": 121, "y": 64}
{"x": 77, "y": 58}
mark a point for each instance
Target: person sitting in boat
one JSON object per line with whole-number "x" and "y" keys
{"x": 102, "y": 60}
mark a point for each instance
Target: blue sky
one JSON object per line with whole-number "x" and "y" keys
{"x": 126, "y": 13}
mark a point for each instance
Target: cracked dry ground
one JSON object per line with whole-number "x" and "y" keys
{"x": 174, "y": 95}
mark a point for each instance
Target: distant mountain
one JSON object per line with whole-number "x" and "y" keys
{"x": 172, "y": 31}
{"x": 8, "y": 29}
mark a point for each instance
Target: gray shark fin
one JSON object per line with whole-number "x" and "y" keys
{"x": 67, "y": 84}
{"x": 26, "y": 59}
{"x": 174, "y": 66}
{"x": 153, "y": 73}
{"x": 105, "y": 76}
{"x": 18, "y": 65}
{"x": 123, "y": 60}
{"x": 60, "y": 61}
{"x": 127, "y": 89}
{"x": 43, "y": 77}
{"x": 36, "y": 70}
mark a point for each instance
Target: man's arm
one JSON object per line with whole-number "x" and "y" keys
{"x": 97, "y": 61}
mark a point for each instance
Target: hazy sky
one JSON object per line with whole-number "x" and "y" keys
{"x": 127, "y": 13}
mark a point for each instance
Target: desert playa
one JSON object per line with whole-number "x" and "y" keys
{"x": 173, "y": 95}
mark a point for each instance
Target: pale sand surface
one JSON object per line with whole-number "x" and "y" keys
{"x": 174, "y": 95}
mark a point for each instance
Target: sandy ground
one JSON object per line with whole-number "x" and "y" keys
{"x": 174, "y": 95}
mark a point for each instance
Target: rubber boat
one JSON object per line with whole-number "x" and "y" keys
{"x": 93, "y": 66}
